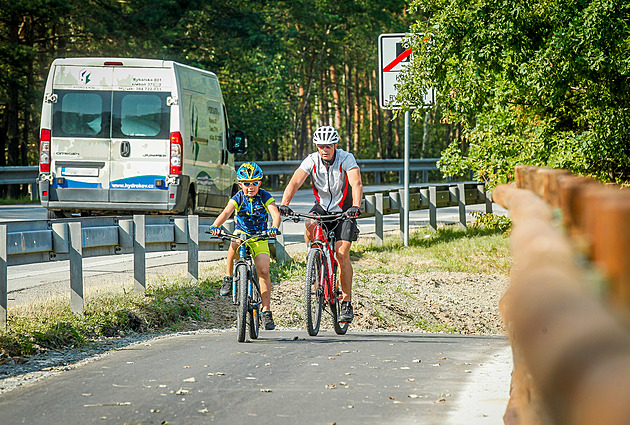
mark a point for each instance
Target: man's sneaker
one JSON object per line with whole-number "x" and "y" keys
{"x": 226, "y": 286}
{"x": 267, "y": 319}
{"x": 346, "y": 314}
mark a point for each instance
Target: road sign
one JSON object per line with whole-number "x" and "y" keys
{"x": 393, "y": 56}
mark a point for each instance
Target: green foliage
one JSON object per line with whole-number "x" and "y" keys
{"x": 492, "y": 221}
{"x": 285, "y": 66}
{"x": 542, "y": 83}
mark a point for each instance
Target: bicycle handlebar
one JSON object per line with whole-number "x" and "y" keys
{"x": 296, "y": 216}
{"x": 242, "y": 236}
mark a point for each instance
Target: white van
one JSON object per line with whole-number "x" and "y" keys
{"x": 121, "y": 136}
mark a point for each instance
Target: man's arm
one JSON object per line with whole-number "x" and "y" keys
{"x": 297, "y": 180}
{"x": 354, "y": 178}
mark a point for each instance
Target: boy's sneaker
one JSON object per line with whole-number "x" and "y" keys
{"x": 267, "y": 319}
{"x": 346, "y": 314}
{"x": 226, "y": 286}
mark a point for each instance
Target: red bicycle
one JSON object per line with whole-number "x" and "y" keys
{"x": 321, "y": 288}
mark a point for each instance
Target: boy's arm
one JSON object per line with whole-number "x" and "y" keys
{"x": 275, "y": 214}
{"x": 225, "y": 214}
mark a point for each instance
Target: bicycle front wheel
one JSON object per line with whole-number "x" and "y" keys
{"x": 254, "y": 312}
{"x": 243, "y": 303}
{"x": 313, "y": 290}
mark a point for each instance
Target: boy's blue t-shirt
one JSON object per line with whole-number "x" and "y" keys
{"x": 252, "y": 213}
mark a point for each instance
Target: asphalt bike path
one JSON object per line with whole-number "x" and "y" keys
{"x": 283, "y": 377}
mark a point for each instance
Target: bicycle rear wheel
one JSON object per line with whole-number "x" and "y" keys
{"x": 313, "y": 290}
{"x": 340, "y": 327}
{"x": 241, "y": 310}
{"x": 253, "y": 315}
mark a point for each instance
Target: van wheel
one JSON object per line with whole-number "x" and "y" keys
{"x": 190, "y": 205}
{"x": 52, "y": 215}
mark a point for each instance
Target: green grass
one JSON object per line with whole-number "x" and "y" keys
{"x": 19, "y": 200}
{"x": 450, "y": 249}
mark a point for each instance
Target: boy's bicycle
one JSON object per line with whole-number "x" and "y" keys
{"x": 321, "y": 287}
{"x": 245, "y": 286}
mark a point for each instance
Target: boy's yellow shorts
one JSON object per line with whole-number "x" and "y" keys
{"x": 257, "y": 247}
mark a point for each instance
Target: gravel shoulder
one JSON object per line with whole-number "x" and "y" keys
{"x": 461, "y": 303}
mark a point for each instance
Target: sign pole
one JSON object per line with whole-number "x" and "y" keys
{"x": 406, "y": 201}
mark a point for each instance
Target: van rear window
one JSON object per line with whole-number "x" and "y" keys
{"x": 105, "y": 114}
{"x": 81, "y": 114}
{"x": 141, "y": 115}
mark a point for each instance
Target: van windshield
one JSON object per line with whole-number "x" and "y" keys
{"x": 88, "y": 114}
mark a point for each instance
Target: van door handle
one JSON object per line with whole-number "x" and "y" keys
{"x": 125, "y": 149}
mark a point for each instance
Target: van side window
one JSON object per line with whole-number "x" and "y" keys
{"x": 144, "y": 115}
{"x": 81, "y": 114}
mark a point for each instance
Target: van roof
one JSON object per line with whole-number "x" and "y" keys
{"x": 131, "y": 62}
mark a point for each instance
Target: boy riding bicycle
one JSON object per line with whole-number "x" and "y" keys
{"x": 253, "y": 206}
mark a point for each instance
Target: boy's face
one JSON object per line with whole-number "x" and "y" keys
{"x": 249, "y": 188}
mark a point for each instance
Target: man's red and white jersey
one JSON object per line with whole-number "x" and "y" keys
{"x": 330, "y": 184}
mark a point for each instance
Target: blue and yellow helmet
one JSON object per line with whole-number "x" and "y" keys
{"x": 249, "y": 171}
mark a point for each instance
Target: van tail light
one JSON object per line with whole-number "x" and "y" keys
{"x": 176, "y": 152}
{"x": 44, "y": 151}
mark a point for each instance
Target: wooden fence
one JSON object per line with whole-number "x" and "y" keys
{"x": 567, "y": 307}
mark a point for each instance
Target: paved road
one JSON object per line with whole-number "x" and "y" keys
{"x": 282, "y": 378}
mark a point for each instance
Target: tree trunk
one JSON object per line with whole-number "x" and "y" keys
{"x": 357, "y": 112}
{"x": 349, "y": 105}
{"x": 336, "y": 97}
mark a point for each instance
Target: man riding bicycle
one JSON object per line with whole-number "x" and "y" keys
{"x": 334, "y": 175}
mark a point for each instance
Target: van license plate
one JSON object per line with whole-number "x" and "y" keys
{"x": 79, "y": 172}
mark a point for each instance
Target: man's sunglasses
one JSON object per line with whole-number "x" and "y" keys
{"x": 248, "y": 184}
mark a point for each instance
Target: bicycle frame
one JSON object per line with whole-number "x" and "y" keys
{"x": 326, "y": 244}
{"x": 244, "y": 253}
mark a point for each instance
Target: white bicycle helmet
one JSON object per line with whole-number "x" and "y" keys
{"x": 325, "y": 135}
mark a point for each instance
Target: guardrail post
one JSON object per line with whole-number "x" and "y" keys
{"x": 193, "y": 248}
{"x": 60, "y": 238}
{"x": 378, "y": 219}
{"x": 139, "y": 253}
{"x": 3, "y": 277}
{"x": 461, "y": 203}
{"x": 402, "y": 215}
{"x": 482, "y": 195}
{"x": 433, "y": 207}
{"x": 76, "y": 267}
{"x": 377, "y": 177}
{"x": 281, "y": 255}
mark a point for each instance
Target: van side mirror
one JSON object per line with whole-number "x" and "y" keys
{"x": 237, "y": 142}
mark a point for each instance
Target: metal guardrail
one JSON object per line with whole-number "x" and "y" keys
{"x": 38, "y": 241}
{"x": 376, "y": 166}
{"x": 29, "y": 174}
{"x": 21, "y": 175}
